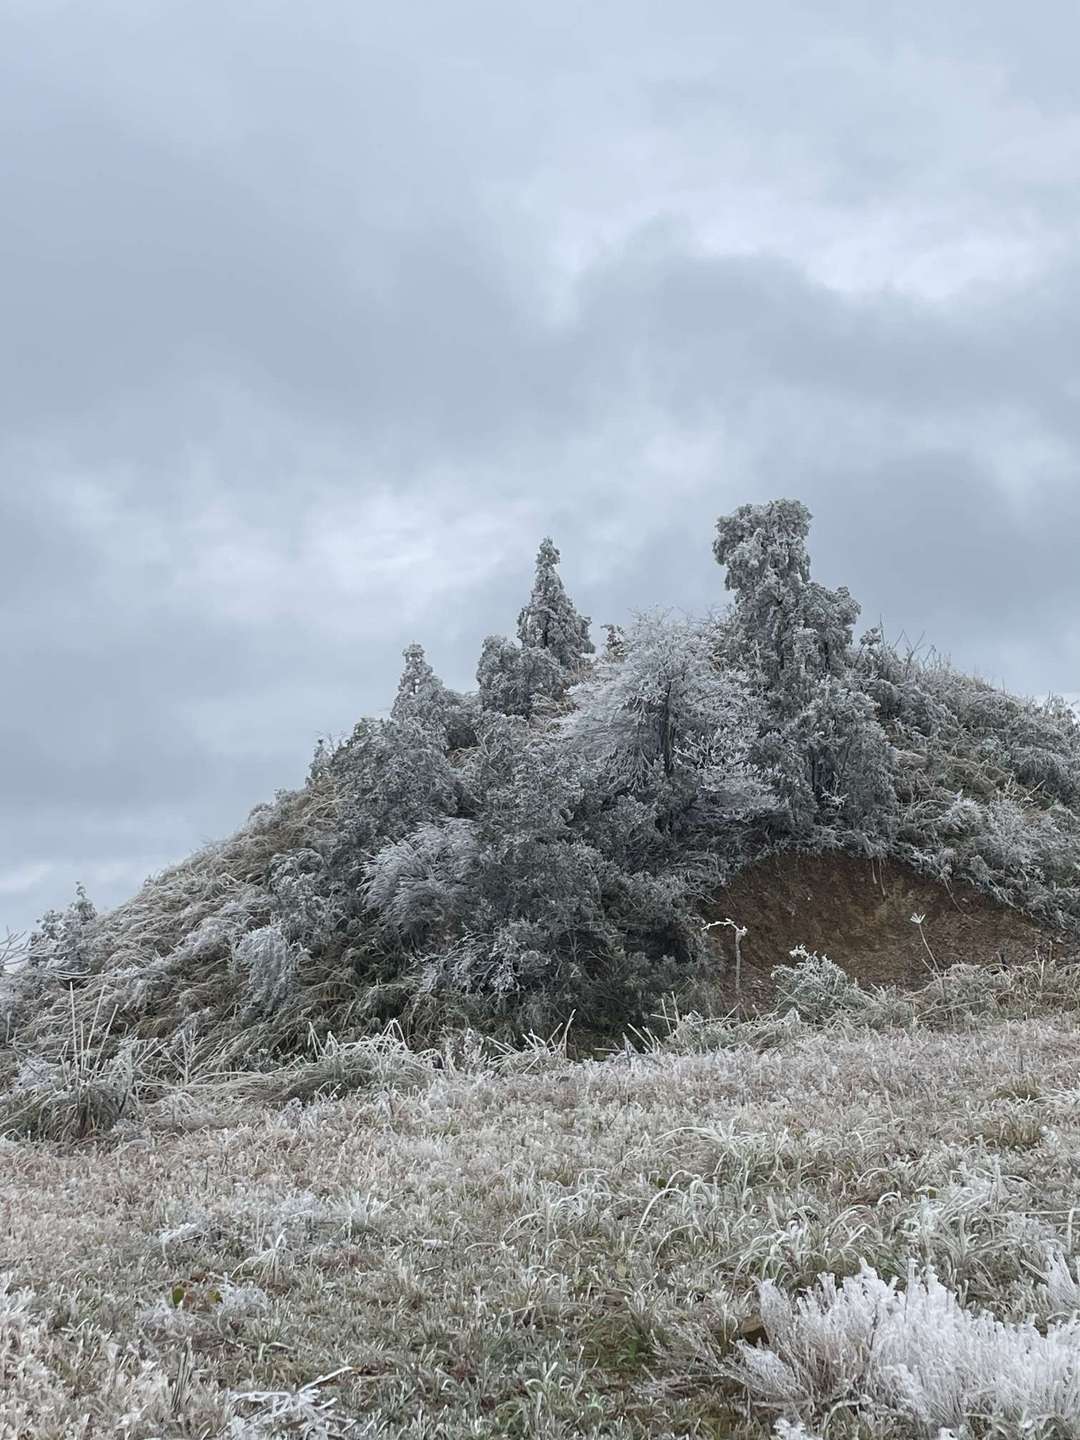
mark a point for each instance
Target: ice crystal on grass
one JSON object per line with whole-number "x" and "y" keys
{"x": 917, "y": 1352}
{"x": 269, "y": 965}
{"x": 305, "y": 1414}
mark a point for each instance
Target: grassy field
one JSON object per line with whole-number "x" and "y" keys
{"x": 482, "y": 1242}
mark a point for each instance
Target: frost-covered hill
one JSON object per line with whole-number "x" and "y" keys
{"x": 552, "y": 843}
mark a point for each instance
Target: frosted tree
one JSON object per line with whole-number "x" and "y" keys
{"x": 421, "y": 695}
{"x": 553, "y": 639}
{"x": 516, "y": 679}
{"x": 515, "y": 903}
{"x": 550, "y": 620}
{"x": 389, "y": 777}
{"x": 559, "y": 910}
{"x": 615, "y": 643}
{"x": 423, "y": 699}
{"x": 515, "y": 870}
{"x": 660, "y": 720}
{"x": 819, "y": 737}
{"x": 790, "y": 629}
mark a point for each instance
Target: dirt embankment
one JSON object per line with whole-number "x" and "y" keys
{"x": 859, "y": 913}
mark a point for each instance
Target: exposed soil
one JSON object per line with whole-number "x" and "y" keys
{"x": 858, "y": 912}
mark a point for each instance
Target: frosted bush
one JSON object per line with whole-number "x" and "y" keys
{"x": 269, "y": 964}
{"x": 64, "y": 942}
{"x": 425, "y": 878}
{"x": 974, "y": 989}
{"x": 297, "y": 882}
{"x": 915, "y": 1353}
{"x": 82, "y": 1093}
{"x": 816, "y": 987}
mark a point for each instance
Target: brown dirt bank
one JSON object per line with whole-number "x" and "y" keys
{"x": 858, "y": 912}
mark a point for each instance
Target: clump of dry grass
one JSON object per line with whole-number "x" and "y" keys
{"x": 85, "y": 1091}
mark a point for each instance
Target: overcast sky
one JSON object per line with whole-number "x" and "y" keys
{"x": 314, "y": 318}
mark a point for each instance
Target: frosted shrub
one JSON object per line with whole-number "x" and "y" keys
{"x": 64, "y": 941}
{"x": 974, "y": 989}
{"x": 388, "y": 777}
{"x": 817, "y": 988}
{"x": 915, "y": 1353}
{"x": 424, "y": 879}
{"x": 516, "y": 679}
{"x": 269, "y": 965}
{"x": 298, "y": 883}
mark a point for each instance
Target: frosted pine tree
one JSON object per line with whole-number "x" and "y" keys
{"x": 550, "y": 620}
{"x": 819, "y": 737}
{"x": 553, "y": 639}
{"x": 421, "y": 695}
{"x": 422, "y": 699}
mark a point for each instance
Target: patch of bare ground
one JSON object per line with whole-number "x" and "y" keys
{"x": 859, "y": 913}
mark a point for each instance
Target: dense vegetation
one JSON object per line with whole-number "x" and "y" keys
{"x": 543, "y": 846}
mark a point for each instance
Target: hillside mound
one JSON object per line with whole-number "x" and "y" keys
{"x": 859, "y": 912}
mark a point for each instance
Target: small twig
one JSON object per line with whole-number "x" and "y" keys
{"x": 935, "y": 968}
{"x": 740, "y": 934}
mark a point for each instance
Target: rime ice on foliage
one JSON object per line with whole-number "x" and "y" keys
{"x": 552, "y": 836}
{"x": 914, "y": 1352}
{"x": 615, "y": 643}
{"x": 818, "y": 735}
{"x": 989, "y": 782}
{"x": 421, "y": 694}
{"x": 63, "y": 940}
{"x": 797, "y": 631}
{"x": 517, "y": 861}
{"x": 299, "y": 882}
{"x": 550, "y": 620}
{"x": 518, "y": 901}
{"x": 660, "y": 720}
{"x": 816, "y": 987}
{"x": 390, "y": 776}
{"x": 424, "y": 879}
{"x": 514, "y": 679}
{"x": 269, "y": 965}
{"x": 422, "y": 699}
